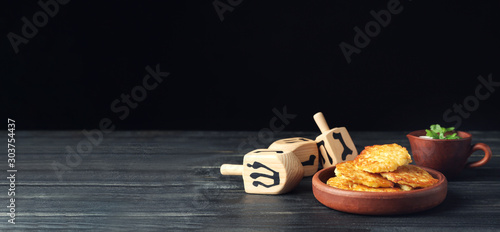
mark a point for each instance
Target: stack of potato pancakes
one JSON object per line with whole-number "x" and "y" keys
{"x": 381, "y": 168}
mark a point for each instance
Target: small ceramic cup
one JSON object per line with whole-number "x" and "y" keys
{"x": 449, "y": 156}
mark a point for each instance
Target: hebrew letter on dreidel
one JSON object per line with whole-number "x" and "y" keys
{"x": 267, "y": 171}
{"x": 305, "y": 149}
{"x": 346, "y": 150}
{"x": 309, "y": 162}
{"x": 335, "y": 145}
{"x": 324, "y": 153}
{"x": 255, "y": 175}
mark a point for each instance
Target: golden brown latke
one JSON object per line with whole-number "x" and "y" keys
{"x": 410, "y": 175}
{"x": 382, "y": 158}
{"x": 346, "y": 184}
{"x": 405, "y": 187}
{"x": 348, "y": 170}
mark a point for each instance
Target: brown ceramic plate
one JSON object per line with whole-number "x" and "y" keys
{"x": 378, "y": 203}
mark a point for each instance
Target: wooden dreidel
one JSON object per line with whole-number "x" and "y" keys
{"x": 334, "y": 145}
{"x": 305, "y": 149}
{"x": 267, "y": 171}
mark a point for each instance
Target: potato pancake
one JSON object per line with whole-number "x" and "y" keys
{"x": 382, "y": 158}
{"x": 410, "y": 175}
{"x": 346, "y": 184}
{"x": 405, "y": 187}
{"x": 349, "y": 171}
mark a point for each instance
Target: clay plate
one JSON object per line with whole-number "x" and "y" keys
{"x": 378, "y": 203}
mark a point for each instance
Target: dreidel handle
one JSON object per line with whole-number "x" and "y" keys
{"x": 320, "y": 120}
{"x": 231, "y": 170}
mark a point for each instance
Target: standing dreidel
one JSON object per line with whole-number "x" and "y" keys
{"x": 267, "y": 171}
{"x": 335, "y": 145}
{"x": 305, "y": 149}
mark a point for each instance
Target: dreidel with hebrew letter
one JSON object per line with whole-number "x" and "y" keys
{"x": 335, "y": 145}
{"x": 267, "y": 171}
{"x": 305, "y": 149}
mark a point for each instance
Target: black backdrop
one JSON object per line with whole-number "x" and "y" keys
{"x": 233, "y": 64}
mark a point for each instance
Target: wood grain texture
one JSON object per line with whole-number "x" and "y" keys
{"x": 336, "y": 146}
{"x": 267, "y": 171}
{"x": 305, "y": 149}
{"x": 170, "y": 181}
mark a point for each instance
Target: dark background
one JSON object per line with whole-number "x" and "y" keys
{"x": 230, "y": 74}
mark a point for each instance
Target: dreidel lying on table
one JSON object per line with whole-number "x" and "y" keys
{"x": 267, "y": 171}
{"x": 335, "y": 145}
{"x": 305, "y": 149}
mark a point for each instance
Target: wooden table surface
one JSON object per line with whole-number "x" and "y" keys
{"x": 170, "y": 180}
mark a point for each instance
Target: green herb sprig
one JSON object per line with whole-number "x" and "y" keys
{"x": 437, "y": 132}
